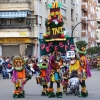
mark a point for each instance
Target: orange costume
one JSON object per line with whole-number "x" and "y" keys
{"x": 84, "y": 71}
{"x": 18, "y": 78}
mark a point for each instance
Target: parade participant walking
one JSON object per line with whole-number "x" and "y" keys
{"x": 18, "y": 77}
{"x": 42, "y": 79}
{"x": 84, "y": 71}
{"x": 54, "y": 68}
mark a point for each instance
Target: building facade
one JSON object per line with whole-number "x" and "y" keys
{"x": 98, "y": 23}
{"x": 88, "y": 32}
{"x": 75, "y": 19}
{"x": 23, "y": 21}
{"x": 18, "y": 27}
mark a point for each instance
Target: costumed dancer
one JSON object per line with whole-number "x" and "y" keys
{"x": 65, "y": 76}
{"x": 74, "y": 64}
{"x": 54, "y": 72}
{"x": 43, "y": 77}
{"x": 84, "y": 71}
{"x": 18, "y": 77}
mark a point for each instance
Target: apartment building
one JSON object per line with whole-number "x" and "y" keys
{"x": 75, "y": 16}
{"x": 23, "y": 21}
{"x": 88, "y": 32}
{"x": 98, "y": 23}
{"x": 18, "y": 27}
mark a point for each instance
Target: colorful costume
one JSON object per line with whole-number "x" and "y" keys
{"x": 42, "y": 79}
{"x": 54, "y": 72}
{"x": 84, "y": 71}
{"x": 18, "y": 77}
{"x": 74, "y": 65}
{"x": 64, "y": 82}
{"x": 65, "y": 76}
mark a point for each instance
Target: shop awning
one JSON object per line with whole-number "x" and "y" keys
{"x": 14, "y": 14}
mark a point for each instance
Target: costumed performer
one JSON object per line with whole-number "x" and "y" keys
{"x": 65, "y": 76}
{"x": 84, "y": 71}
{"x": 54, "y": 71}
{"x": 74, "y": 64}
{"x": 42, "y": 79}
{"x": 18, "y": 77}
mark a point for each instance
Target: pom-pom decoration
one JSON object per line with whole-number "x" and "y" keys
{"x": 46, "y": 35}
{"x": 54, "y": 5}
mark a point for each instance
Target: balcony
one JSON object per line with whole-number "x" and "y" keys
{"x": 84, "y": 19}
{"x": 84, "y": 33}
{"x": 12, "y": 1}
{"x": 13, "y": 5}
{"x": 84, "y": 6}
{"x": 14, "y": 26}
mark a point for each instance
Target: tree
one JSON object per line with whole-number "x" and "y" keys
{"x": 79, "y": 44}
{"x": 93, "y": 50}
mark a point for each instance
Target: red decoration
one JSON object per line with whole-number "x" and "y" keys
{"x": 59, "y": 20}
{"x": 62, "y": 36}
{"x": 47, "y": 36}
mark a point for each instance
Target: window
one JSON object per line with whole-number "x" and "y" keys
{"x": 7, "y": 22}
{"x": 63, "y": 11}
{"x": 98, "y": 1}
{"x": 76, "y": 17}
{"x": 77, "y": 2}
{"x": 65, "y": 1}
{"x": 31, "y": 21}
{"x": 0, "y": 22}
{"x": 72, "y": 14}
{"x": 71, "y": 1}
{"x": 13, "y": 22}
{"x": 40, "y": 20}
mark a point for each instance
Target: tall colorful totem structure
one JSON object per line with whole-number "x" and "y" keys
{"x": 54, "y": 24}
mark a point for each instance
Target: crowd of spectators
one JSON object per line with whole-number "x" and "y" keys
{"x": 6, "y": 67}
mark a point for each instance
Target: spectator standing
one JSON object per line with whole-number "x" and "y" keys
{"x": 1, "y": 72}
{"x": 5, "y": 75}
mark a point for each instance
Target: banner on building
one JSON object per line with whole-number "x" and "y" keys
{"x": 61, "y": 46}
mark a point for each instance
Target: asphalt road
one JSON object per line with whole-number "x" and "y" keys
{"x": 33, "y": 91}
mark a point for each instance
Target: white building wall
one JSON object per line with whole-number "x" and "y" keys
{"x": 77, "y": 31}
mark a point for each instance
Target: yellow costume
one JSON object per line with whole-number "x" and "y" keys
{"x": 74, "y": 65}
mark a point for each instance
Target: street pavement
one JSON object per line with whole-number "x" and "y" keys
{"x": 33, "y": 91}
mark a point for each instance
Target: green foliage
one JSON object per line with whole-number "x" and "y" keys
{"x": 93, "y": 50}
{"x": 80, "y": 44}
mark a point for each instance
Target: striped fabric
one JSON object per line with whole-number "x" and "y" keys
{"x": 13, "y": 14}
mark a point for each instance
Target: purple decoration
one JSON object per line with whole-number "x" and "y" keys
{"x": 47, "y": 77}
{"x": 51, "y": 59}
{"x": 15, "y": 77}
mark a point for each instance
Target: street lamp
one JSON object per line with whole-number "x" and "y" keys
{"x": 78, "y": 24}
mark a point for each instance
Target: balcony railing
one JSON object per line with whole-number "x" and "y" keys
{"x": 11, "y": 1}
{"x": 84, "y": 6}
{"x": 14, "y": 26}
